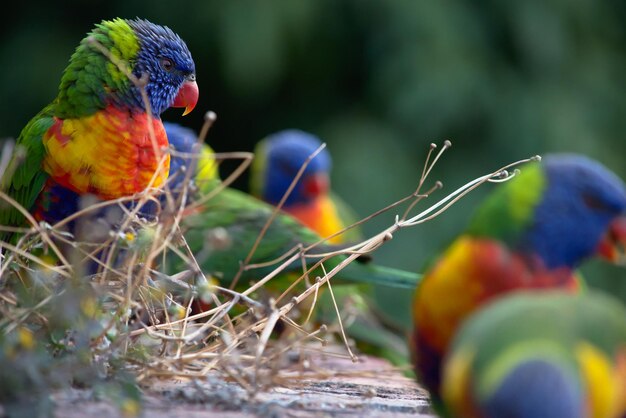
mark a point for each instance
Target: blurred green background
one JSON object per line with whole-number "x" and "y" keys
{"x": 378, "y": 81}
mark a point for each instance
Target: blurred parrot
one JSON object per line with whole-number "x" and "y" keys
{"x": 278, "y": 158}
{"x": 222, "y": 231}
{"x": 99, "y": 136}
{"x": 539, "y": 355}
{"x": 531, "y": 233}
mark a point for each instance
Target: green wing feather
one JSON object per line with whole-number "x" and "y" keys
{"x": 222, "y": 234}
{"x": 25, "y": 178}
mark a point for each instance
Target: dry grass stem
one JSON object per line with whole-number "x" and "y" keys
{"x": 155, "y": 311}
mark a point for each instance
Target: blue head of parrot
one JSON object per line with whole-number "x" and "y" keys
{"x": 284, "y": 154}
{"x": 581, "y": 202}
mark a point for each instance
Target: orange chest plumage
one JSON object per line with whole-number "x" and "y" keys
{"x": 471, "y": 272}
{"x": 110, "y": 153}
{"x": 321, "y": 216}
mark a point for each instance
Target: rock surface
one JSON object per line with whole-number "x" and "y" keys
{"x": 367, "y": 388}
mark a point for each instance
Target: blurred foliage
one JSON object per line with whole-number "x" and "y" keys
{"x": 53, "y": 335}
{"x": 377, "y": 80}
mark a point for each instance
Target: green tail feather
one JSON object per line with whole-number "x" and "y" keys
{"x": 380, "y": 275}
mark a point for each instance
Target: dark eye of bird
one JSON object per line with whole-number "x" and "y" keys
{"x": 594, "y": 203}
{"x": 287, "y": 169}
{"x": 167, "y": 64}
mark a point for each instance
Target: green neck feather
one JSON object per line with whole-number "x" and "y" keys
{"x": 509, "y": 209}
{"x": 91, "y": 77}
{"x": 259, "y": 164}
{"x": 207, "y": 175}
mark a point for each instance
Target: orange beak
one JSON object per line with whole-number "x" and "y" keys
{"x": 613, "y": 245}
{"x": 187, "y": 96}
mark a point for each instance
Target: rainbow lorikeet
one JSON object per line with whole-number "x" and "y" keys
{"x": 278, "y": 158}
{"x": 531, "y": 233}
{"x": 99, "y": 136}
{"x": 222, "y": 231}
{"x": 539, "y": 355}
